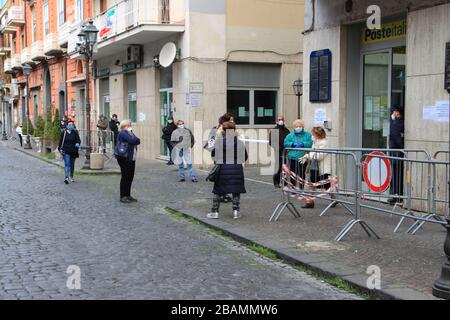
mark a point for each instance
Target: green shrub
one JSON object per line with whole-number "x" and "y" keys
{"x": 30, "y": 128}
{"x": 51, "y": 128}
{"x": 40, "y": 127}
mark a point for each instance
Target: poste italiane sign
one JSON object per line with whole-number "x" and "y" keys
{"x": 389, "y": 31}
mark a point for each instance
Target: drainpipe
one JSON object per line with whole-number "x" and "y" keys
{"x": 311, "y": 28}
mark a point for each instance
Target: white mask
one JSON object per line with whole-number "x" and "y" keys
{"x": 393, "y": 117}
{"x": 130, "y": 129}
{"x": 181, "y": 126}
{"x": 281, "y": 123}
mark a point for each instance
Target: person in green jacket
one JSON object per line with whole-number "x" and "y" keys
{"x": 298, "y": 139}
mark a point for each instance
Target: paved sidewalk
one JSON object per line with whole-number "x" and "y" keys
{"x": 111, "y": 166}
{"x": 409, "y": 264}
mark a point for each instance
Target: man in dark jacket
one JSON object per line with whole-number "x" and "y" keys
{"x": 167, "y": 134}
{"x": 397, "y": 141}
{"x": 281, "y": 132}
{"x": 114, "y": 127}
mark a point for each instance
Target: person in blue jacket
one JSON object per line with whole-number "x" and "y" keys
{"x": 127, "y": 164}
{"x": 298, "y": 139}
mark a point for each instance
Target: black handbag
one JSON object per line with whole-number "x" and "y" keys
{"x": 213, "y": 174}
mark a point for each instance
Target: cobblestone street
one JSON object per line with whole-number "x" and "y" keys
{"x": 124, "y": 251}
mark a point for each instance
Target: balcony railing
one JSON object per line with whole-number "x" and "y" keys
{"x": 63, "y": 34}
{"x": 37, "y": 51}
{"x": 16, "y": 63}
{"x": 25, "y": 57}
{"x": 51, "y": 45}
{"x": 15, "y": 17}
{"x": 7, "y": 67}
{"x": 133, "y": 13}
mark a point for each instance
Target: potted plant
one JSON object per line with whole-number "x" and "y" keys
{"x": 51, "y": 131}
{"x": 39, "y": 133}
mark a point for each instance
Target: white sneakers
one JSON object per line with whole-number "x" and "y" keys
{"x": 215, "y": 215}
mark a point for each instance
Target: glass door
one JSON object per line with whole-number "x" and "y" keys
{"x": 166, "y": 97}
{"x": 376, "y": 99}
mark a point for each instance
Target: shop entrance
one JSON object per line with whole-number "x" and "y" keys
{"x": 166, "y": 98}
{"x": 384, "y": 76}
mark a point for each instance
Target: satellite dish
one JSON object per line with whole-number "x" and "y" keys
{"x": 168, "y": 54}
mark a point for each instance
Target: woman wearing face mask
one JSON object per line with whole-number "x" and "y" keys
{"x": 68, "y": 146}
{"x": 127, "y": 164}
{"x": 323, "y": 169}
{"x": 167, "y": 134}
{"x": 298, "y": 139}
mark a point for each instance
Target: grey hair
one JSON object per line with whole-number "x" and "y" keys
{"x": 124, "y": 123}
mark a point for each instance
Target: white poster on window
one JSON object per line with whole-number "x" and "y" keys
{"x": 142, "y": 117}
{"x": 320, "y": 116}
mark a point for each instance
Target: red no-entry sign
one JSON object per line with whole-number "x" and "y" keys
{"x": 377, "y": 172}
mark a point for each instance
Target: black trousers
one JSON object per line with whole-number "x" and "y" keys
{"x": 21, "y": 140}
{"x": 216, "y": 202}
{"x": 277, "y": 175}
{"x": 397, "y": 174}
{"x": 170, "y": 147}
{"x": 127, "y": 169}
{"x": 299, "y": 169}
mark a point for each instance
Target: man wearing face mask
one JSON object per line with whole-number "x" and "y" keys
{"x": 282, "y": 132}
{"x": 297, "y": 140}
{"x": 183, "y": 141}
{"x": 397, "y": 141}
{"x": 167, "y": 134}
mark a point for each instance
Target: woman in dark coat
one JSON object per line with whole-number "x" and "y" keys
{"x": 128, "y": 163}
{"x": 167, "y": 134}
{"x": 68, "y": 146}
{"x": 229, "y": 152}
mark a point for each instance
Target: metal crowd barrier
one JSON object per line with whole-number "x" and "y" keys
{"x": 361, "y": 179}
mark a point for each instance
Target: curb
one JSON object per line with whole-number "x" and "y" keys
{"x": 315, "y": 264}
{"x": 80, "y": 172}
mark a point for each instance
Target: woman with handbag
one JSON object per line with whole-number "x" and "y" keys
{"x": 319, "y": 162}
{"x": 125, "y": 152}
{"x": 69, "y": 144}
{"x": 229, "y": 155}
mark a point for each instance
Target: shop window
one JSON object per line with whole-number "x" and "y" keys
{"x": 252, "y": 95}
{"x": 320, "y": 76}
{"x": 132, "y": 107}
{"x": 253, "y": 106}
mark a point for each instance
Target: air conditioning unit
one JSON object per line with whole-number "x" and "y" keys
{"x": 134, "y": 54}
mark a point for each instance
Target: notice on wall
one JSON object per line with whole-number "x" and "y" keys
{"x": 440, "y": 112}
{"x": 320, "y": 116}
{"x": 443, "y": 111}
{"x": 142, "y": 117}
{"x": 429, "y": 113}
{"x": 195, "y": 100}
{"x": 385, "y": 128}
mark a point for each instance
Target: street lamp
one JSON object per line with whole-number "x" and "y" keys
{"x": 298, "y": 90}
{"x": 87, "y": 38}
{"x": 27, "y": 71}
{"x": 4, "y": 136}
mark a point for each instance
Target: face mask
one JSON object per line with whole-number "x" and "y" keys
{"x": 281, "y": 123}
{"x": 181, "y": 126}
{"x": 298, "y": 130}
{"x": 170, "y": 121}
{"x": 393, "y": 117}
{"x": 130, "y": 129}
{"x": 71, "y": 127}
